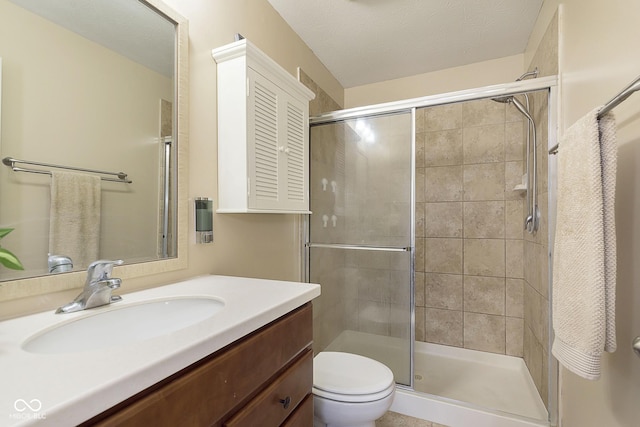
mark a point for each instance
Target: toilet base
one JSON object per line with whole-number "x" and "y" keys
{"x": 331, "y": 413}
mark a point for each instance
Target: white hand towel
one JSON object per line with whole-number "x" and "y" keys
{"x": 584, "y": 262}
{"x": 74, "y": 218}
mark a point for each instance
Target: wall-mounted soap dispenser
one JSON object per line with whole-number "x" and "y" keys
{"x": 204, "y": 219}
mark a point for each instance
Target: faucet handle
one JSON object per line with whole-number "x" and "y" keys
{"x": 101, "y": 269}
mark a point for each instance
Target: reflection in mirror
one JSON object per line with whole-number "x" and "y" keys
{"x": 87, "y": 86}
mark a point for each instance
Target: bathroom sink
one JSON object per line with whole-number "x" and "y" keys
{"x": 124, "y": 325}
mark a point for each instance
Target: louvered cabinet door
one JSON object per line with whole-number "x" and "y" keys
{"x": 263, "y": 139}
{"x": 293, "y": 191}
{"x": 278, "y": 143}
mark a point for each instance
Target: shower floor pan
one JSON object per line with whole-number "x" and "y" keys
{"x": 486, "y": 381}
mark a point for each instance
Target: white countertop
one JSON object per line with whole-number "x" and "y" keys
{"x": 66, "y": 389}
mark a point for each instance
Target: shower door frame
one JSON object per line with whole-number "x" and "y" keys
{"x": 549, "y": 83}
{"x": 307, "y": 246}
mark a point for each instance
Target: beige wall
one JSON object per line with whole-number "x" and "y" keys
{"x": 480, "y": 74}
{"x": 598, "y": 57}
{"x": 245, "y": 244}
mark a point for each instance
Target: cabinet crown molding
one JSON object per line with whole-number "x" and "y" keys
{"x": 262, "y": 63}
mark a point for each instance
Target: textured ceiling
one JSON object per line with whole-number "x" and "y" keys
{"x": 367, "y": 41}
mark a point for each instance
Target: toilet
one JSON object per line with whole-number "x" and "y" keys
{"x": 350, "y": 390}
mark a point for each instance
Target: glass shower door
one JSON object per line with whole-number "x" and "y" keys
{"x": 360, "y": 245}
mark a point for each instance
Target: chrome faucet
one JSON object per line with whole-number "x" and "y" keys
{"x": 97, "y": 288}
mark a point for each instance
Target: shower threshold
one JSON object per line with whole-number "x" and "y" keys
{"x": 448, "y": 378}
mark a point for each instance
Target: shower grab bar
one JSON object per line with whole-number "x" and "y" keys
{"x": 11, "y": 162}
{"x": 359, "y": 247}
{"x": 625, "y": 93}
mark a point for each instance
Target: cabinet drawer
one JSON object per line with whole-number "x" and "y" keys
{"x": 203, "y": 394}
{"x": 303, "y": 415}
{"x": 274, "y": 404}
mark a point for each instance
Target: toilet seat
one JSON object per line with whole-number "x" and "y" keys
{"x": 347, "y": 377}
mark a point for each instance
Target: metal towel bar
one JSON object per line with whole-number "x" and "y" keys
{"x": 634, "y": 86}
{"x": 11, "y": 162}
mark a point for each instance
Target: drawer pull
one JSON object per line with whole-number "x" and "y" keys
{"x": 285, "y": 402}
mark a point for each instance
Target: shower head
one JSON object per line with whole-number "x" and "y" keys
{"x": 513, "y": 100}
{"x": 503, "y": 99}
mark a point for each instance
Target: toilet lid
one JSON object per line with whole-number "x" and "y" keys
{"x": 350, "y": 374}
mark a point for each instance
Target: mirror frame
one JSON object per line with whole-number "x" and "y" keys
{"x": 46, "y": 284}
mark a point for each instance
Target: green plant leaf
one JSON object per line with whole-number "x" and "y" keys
{"x": 9, "y": 260}
{"x": 5, "y": 231}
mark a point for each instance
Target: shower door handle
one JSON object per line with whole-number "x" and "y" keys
{"x": 636, "y": 346}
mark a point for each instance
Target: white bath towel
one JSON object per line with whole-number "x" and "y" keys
{"x": 74, "y": 217}
{"x": 584, "y": 262}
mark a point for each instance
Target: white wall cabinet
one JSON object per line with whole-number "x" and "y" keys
{"x": 263, "y": 134}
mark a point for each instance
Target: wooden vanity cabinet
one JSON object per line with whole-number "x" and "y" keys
{"x": 261, "y": 380}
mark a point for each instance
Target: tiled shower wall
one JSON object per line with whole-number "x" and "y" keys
{"x": 536, "y": 248}
{"x": 469, "y": 226}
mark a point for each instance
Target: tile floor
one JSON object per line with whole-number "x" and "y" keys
{"x": 393, "y": 419}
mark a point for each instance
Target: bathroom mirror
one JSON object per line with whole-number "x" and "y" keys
{"x": 93, "y": 85}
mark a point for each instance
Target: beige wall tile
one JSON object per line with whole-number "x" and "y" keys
{"x": 443, "y": 219}
{"x": 482, "y": 112}
{"x": 534, "y": 359}
{"x": 420, "y": 138}
{"x": 443, "y": 184}
{"x": 514, "y": 336}
{"x": 515, "y": 298}
{"x": 419, "y": 217}
{"x": 442, "y": 117}
{"x": 534, "y": 313}
{"x": 484, "y": 332}
{"x": 489, "y": 138}
{"x": 514, "y": 267}
{"x": 443, "y": 148}
{"x": 544, "y": 381}
{"x": 419, "y": 283}
{"x": 514, "y": 142}
{"x": 443, "y": 291}
{"x": 420, "y": 185}
{"x": 512, "y": 177}
{"x": 484, "y": 295}
{"x": 514, "y": 219}
{"x": 443, "y": 256}
{"x": 484, "y": 144}
{"x": 420, "y": 324}
{"x": 484, "y": 182}
{"x": 420, "y": 254}
{"x": 443, "y": 326}
{"x": 484, "y": 257}
{"x": 484, "y": 219}
{"x": 420, "y": 120}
